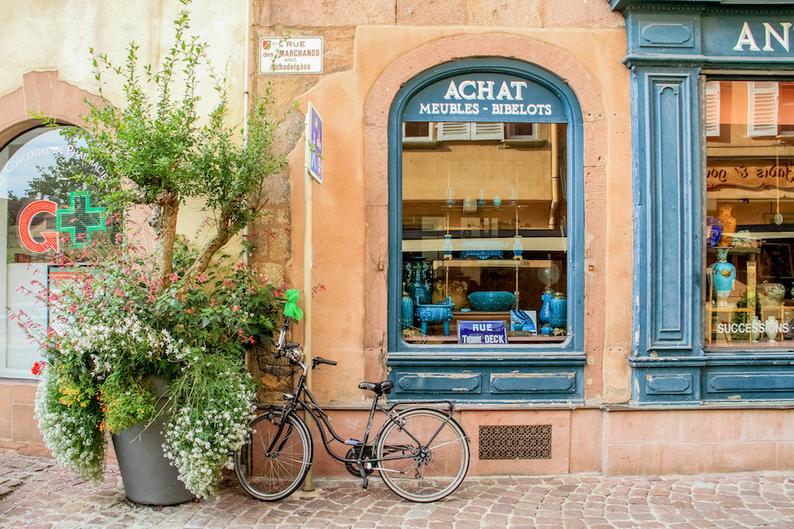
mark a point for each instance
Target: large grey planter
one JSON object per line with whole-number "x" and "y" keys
{"x": 147, "y": 474}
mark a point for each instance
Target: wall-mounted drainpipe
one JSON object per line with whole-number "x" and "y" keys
{"x": 555, "y": 178}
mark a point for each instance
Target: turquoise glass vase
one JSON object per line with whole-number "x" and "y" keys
{"x": 407, "y": 312}
{"x": 724, "y": 273}
{"x": 558, "y": 308}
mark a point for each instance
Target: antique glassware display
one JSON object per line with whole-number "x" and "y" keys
{"x": 749, "y": 214}
{"x": 484, "y": 227}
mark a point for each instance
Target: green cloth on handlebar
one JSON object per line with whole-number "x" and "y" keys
{"x": 291, "y": 308}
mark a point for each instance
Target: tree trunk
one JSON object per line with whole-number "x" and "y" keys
{"x": 170, "y": 210}
{"x": 208, "y": 252}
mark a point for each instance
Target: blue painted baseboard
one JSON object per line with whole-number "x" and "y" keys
{"x": 713, "y": 378}
{"x": 489, "y": 379}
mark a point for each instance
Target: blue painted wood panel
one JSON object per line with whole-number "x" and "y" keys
{"x": 667, "y": 280}
{"x": 558, "y": 381}
{"x": 468, "y": 383}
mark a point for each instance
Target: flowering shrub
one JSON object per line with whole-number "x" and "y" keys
{"x": 112, "y": 330}
{"x": 127, "y": 316}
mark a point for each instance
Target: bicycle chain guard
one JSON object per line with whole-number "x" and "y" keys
{"x": 354, "y": 453}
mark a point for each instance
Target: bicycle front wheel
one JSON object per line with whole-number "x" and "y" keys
{"x": 277, "y": 457}
{"x": 423, "y": 455}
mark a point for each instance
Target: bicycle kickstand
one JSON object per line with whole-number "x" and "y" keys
{"x": 363, "y": 473}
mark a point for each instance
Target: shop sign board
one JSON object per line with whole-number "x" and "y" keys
{"x": 314, "y": 144}
{"x": 754, "y": 36}
{"x": 294, "y": 55}
{"x": 482, "y": 332}
{"x": 485, "y": 97}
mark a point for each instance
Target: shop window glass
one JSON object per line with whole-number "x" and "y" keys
{"x": 749, "y": 226}
{"x": 484, "y": 233}
{"x": 34, "y": 183}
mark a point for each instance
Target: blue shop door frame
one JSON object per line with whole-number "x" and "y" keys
{"x": 551, "y": 373}
{"x": 670, "y": 44}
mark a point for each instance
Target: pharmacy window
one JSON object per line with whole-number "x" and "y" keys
{"x": 749, "y": 225}
{"x": 484, "y": 229}
{"x": 36, "y": 191}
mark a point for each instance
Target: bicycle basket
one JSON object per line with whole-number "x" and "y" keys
{"x": 277, "y": 375}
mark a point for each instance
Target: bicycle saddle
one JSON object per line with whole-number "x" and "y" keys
{"x": 380, "y": 388}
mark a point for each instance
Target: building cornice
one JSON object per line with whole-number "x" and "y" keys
{"x": 712, "y": 6}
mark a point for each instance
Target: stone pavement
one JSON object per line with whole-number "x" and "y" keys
{"x": 51, "y": 498}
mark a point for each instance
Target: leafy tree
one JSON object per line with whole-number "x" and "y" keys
{"x": 157, "y": 150}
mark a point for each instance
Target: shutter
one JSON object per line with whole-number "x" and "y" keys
{"x": 712, "y": 108}
{"x": 762, "y": 100}
{"x": 453, "y": 131}
{"x": 487, "y": 131}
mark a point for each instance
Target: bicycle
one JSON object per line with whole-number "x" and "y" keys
{"x": 420, "y": 452}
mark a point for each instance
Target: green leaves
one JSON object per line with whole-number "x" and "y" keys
{"x": 156, "y": 149}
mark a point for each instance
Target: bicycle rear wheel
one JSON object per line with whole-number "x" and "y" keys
{"x": 423, "y": 455}
{"x": 274, "y": 475}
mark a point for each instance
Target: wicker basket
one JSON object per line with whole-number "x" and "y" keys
{"x": 276, "y": 375}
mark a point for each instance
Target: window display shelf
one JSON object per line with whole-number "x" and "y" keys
{"x": 492, "y": 263}
{"x": 441, "y": 339}
{"x": 529, "y": 244}
{"x": 735, "y": 251}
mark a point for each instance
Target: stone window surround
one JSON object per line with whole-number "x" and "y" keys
{"x": 377, "y": 109}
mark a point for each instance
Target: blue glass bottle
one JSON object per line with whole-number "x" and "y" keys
{"x": 545, "y": 309}
{"x": 407, "y": 312}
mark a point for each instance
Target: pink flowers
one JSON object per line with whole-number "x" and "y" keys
{"x": 174, "y": 276}
{"x": 201, "y": 278}
{"x": 235, "y": 308}
{"x": 118, "y": 293}
{"x": 38, "y": 367}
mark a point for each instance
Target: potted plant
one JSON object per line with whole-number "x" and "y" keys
{"x": 149, "y": 344}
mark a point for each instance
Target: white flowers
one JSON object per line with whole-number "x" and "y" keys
{"x": 73, "y": 446}
{"x": 201, "y": 439}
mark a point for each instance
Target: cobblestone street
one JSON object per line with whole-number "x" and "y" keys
{"x": 36, "y": 494}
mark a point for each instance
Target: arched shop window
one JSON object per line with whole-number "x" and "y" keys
{"x": 41, "y": 211}
{"x": 486, "y": 211}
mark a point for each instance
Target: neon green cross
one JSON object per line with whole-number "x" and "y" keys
{"x": 80, "y": 219}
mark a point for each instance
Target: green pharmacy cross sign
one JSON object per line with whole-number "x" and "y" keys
{"x": 80, "y": 219}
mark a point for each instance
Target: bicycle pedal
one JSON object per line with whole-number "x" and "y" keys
{"x": 353, "y": 442}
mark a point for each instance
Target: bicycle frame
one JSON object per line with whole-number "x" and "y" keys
{"x": 309, "y": 404}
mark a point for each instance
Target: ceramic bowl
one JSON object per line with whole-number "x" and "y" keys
{"x": 492, "y": 301}
{"x": 434, "y": 313}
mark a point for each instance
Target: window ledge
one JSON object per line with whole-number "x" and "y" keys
{"x": 735, "y": 358}
{"x": 472, "y": 359}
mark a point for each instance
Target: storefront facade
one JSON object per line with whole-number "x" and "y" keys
{"x": 710, "y": 90}
{"x": 561, "y": 215}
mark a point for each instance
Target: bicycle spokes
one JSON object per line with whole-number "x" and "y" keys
{"x": 276, "y": 458}
{"x": 426, "y": 458}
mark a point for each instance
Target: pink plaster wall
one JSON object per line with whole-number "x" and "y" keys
{"x": 694, "y": 441}
{"x": 351, "y": 208}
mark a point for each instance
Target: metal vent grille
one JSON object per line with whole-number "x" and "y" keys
{"x": 532, "y": 441}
